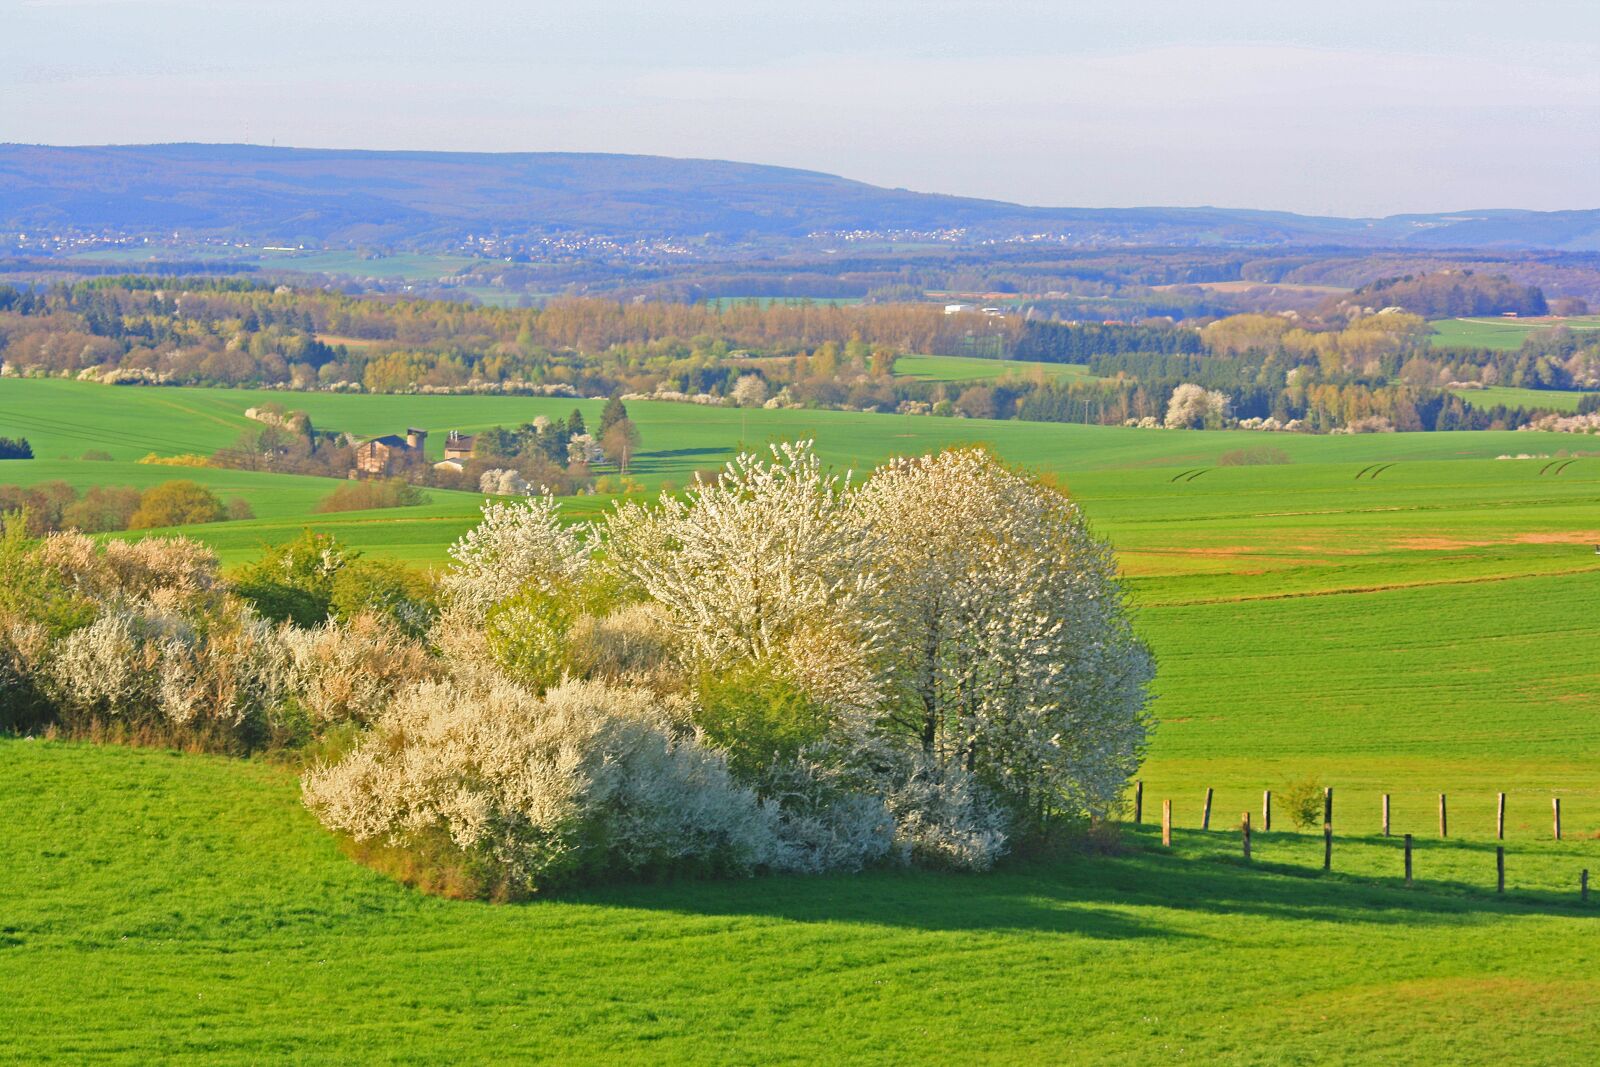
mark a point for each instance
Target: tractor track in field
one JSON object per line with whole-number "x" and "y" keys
{"x": 1353, "y": 590}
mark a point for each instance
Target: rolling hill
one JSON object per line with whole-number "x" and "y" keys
{"x": 431, "y": 200}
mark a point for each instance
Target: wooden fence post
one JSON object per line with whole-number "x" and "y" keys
{"x": 1266, "y": 811}
{"x": 1386, "y": 815}
{"x": 1500, "y": 869}
{"x": 1327, "y": 828}
{"x": 1138, "y": 802}
{"x": 1555, "y": 803}
{"x": 1500, "y": 819}
{"x": 1583, "y": 885}
{"x": 1444, "y": 818}
{"x": 1205, "y": 814}
{"x": 1408, "y": 859}
{"x": 1166, "y": 823}
{"x": 1244, "y": 831}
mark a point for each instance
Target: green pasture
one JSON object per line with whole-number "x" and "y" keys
{"x": 405, "y": 266}
{"x": 722, "y": 303}
{"x": 1505, "y": 334}
{"x": 1386, "y": 613}
{"x": 1555, "y": 399}
{"x": 971, "y": 369}
{"x": 187, "y": 909}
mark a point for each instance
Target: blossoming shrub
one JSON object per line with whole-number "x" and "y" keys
{"x": 533, "y": 792}
{"x": 144, "y": 641}
{"x": 351, "y": 672}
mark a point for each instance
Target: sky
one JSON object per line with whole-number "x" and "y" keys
{"x": 1352, "y": 108}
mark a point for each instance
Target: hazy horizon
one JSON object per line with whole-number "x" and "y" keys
{"x": 1439, "y": 107}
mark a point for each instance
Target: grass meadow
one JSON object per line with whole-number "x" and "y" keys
{"x": 1396, "y": 613}
{"x": 1557, "y": 399}
{"x": 1505, "y": 334}
{"x": 972, "y": 369}
{"x": 405, "y": 266}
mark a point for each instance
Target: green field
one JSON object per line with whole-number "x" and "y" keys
{"x": 187, "y": 909}
{"x": 970, "y": 369}
{"x": 1557, "y": 399}
{"x": 724, "y": 302}
{"x": 1388, "y": 613}
{"x": 405, "y": 266}
{"x": 1501, "y": 333}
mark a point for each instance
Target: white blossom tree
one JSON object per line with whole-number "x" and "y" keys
{"x": 1194, "y": 405}
{"x": 503, "y": 481}
{"x": 1010, "y": 655}
{"x": 764, "y": 565}
{"x": 516, "y": 545}
{"x": 750, "y": 391}
{"x": 583, "y": 448}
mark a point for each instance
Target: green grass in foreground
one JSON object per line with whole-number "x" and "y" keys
{"x": 971, "y": 369}
{"x": 1393, "y": 613}
{"x": 186, "y": 909}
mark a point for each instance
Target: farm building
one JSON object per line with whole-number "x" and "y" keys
{"x": 381, "y": 456}
{"x": 458, "y": 446}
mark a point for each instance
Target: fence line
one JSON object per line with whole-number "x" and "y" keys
{"x": 1245, "y": 836}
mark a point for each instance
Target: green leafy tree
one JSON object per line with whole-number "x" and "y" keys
{"x": 294, "y": 582}
{"x": 613, "y": 413}
{"x": 176, "y": 504}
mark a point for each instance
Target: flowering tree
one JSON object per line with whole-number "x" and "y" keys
{"x": 517, "y": 544}
{"x": 1008, "y": 649}
{"x": 1194, "y": 405}
{"x": 503, "y": 481}
{"x": 750, "y": 391}
{"x": 582, "y": 448}
{"x": 765, "y": 566}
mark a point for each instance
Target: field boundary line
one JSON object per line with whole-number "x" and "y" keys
{"x": 1202, "y": 602}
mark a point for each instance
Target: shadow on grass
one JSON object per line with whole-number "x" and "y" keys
{"x": 657, "y": 460}
{"x": 1088, "y": 896}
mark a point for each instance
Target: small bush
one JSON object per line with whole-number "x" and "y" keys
{"x": 239, "y": 508}
{"x": 95, "y": 455}
{"x": 758, "y": 717}
{"x": 102, "y": 509}
{"x": 402, "y": 596}
{"x": 531, "y": 793}
{"x": 1303, "y": 802}
{"x": 176, "y": 504}
{"x": 364, "y": 496}
{"x": 189, "y": 460}
{"x": 293, "y": 582}
{"x": 351, "y": 673}
{"x": 1260, "y": 455}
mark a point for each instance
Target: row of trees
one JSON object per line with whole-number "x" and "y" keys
{"x": 51, "y": 506}
{"x": 812, "y": 356}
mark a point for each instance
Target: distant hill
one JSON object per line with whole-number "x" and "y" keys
{"x": 435, "y": 199}
{"x": 1448, "y": 294}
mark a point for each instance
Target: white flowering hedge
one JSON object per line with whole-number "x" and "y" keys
{"x": 781, "y": 670}
{"x": 917, "y": 668}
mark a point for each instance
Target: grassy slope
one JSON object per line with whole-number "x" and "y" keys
{"x": 406, "y": 266}
{"x": 1503, "y": 334}
{"x": 1457, "y": 656}
{"x": 1558, "y": 399}
{"x": 969, "y": 369}
{"x": 186, "y": 908}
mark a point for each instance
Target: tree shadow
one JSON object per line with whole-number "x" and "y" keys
{"x": 655, "y": 461}
{"x": 1087, "y": 895}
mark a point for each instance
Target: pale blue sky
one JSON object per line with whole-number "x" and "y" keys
{"x": 1350, "y": 108}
